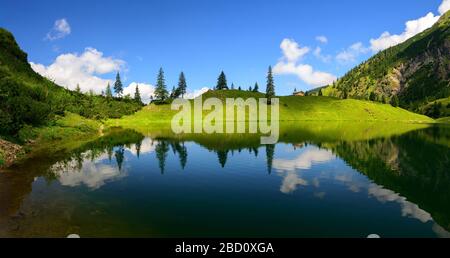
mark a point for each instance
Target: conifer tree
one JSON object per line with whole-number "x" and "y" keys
{"x": 256, "y": 88}
{"x": 270, "y": 89}
{"x": 78, "y": 89}
{"x": 108, "y": 92}
{"x": 222, "y": 82}
{"x": 161, "y": 93}
{"x": 118, "y": 87}
{"x": 181, "y": 90}
{"x": 137, "y": 95}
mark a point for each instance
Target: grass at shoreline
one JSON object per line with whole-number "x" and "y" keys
{"x": 292, "y": 108}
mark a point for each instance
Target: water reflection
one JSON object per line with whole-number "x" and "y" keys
{"x": 399, "y": 177}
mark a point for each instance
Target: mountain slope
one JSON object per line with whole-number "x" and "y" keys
{"x": 416, "y": 72}
{"x": 28, "y": 99}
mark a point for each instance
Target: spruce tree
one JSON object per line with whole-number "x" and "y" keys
{"x": 270, "y": 89}
{"x": 137, "y": 95}
{"x": 222, "y": 82}
{"x": 108, "y": 92}
{"x": 173, "y": 93}
{"x": 181, "y": 90}
{"x": 78, "y": 89}
{"x": 250, "y": 88}
{"x": 256, "y": 88}
{"x": 232, "y": 86}
{"x": 161, "y": 93}
{"x": 118, "y": 87}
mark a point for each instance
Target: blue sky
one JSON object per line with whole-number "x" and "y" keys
{"x": 202, "y": 38}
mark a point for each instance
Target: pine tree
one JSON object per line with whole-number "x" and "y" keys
{"x": 161, "y": 93}
{"x": 137, "y": 95}
{"x": 270, "y": 90}
{"x": 173, "y": 93}
{"x": 118, "y": 87}
{"x": 181, "y": 90}
{"x": 232, "y": 86}
{"x": 239, "y": 89}
{"x": 78, "y": 89}
{"x": 256, "y": 88}
{"x": 222, "y": 82}
{"x": 250, "y": 88}
{"x": 108, "y": 92}
{"x": 320, "y": 92}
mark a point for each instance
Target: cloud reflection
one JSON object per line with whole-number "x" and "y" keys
{"x": 292, "y": 177}
{"x": 91, "y": 173}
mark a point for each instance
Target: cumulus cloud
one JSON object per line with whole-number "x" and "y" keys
{"x": 322, "y": 39}
{"x": 318, "y": 53}
{"x": 71, "y": 69}
{"x": 292, "y": 51}
{"x": 412, "y": 28}
{"x": 350, "y": 54}
{"x": 289, "y": 64}
{"x": 60, "y": 29}
{"x": 305, "y": 72}
{"x": 444, "y": 7}
{"x": 146, "y": 91}
{"x": 196, "y": 93}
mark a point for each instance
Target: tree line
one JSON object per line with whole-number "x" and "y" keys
{"x": 162, "y": 95}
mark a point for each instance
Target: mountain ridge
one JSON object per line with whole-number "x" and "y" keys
{"x": 413, "y": 73}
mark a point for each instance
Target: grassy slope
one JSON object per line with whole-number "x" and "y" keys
{"x": 291, "y": 109}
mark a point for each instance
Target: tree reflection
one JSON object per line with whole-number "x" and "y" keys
{"x": 270, "y": 151}
{"x": 161, "y": 149}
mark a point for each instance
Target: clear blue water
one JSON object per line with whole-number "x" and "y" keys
{"x": 393, "y": 187}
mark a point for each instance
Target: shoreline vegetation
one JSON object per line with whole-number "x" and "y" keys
{"x": 71, "y": 131}
{"x": 39, "y": 116}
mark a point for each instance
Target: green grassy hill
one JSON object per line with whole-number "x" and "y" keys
{"x": 27, "y": 99}
{"x": 416, "y": 72}
{"x": 292, "y": 108}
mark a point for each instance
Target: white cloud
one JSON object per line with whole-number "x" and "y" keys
{"x": 196, "y": 93}
{"x": 444, "y": 7}
{"x": 146, "y": 91}
{"x": 412, "y": 28}
{"x": 288, "y": 64}
{"x": 292, "y": 51}
{"x": 318, "y": 53}
{"x": 350, "y": 54}
{"x": 305, "y": 72}
{"x": 322, "y": 39}
{"x": 60, "y": 29}
{"x": 71, "y": 69}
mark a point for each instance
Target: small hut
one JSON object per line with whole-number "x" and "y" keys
{"x": 299, "y": 93}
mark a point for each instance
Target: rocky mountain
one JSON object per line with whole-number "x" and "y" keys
{"x": 414, "y": 74}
